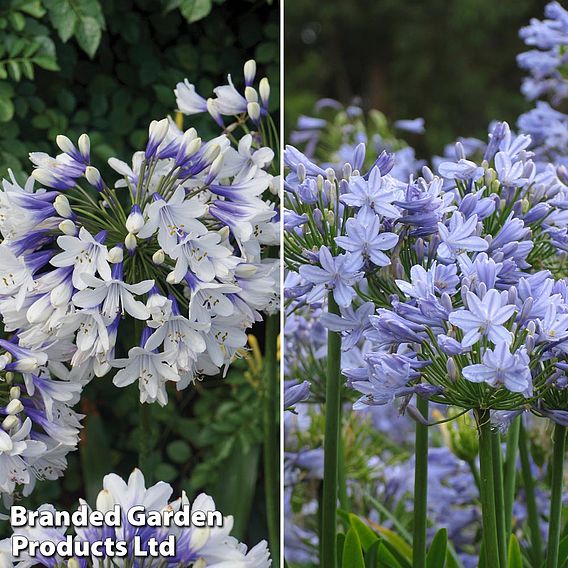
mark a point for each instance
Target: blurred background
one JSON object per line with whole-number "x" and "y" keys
{"x": 109, "y": 67}
{"x": 451, "y": 62}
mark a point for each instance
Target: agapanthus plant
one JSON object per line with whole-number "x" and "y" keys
{"x": 197, "y": 547}
{"x": 460, "y": 268}
{"x": 169, "y": 254}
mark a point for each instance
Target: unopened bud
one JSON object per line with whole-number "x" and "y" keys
{"x": 116, "y": 254}
{"x": 251, "y": 95}
{"x": 10, "y": 422}
{"x": 249, "y": 71}
{"x": 105, "y": 501}
{"x": 14, "y": 407}
{"x": 62, "y": 206}
{"x": 253, "y": 110}
{"x": 130, "y": 242}
{"x": 158, "y": 257}
{"x": 68, "y": 227}
{"x": 84, "y": 146}
{"x": 94, "y": 177}
{"x": 171, "y": 278}
{"x": 15, "y": 392}
{"x": 264, "y": 90}
{"x": 135, "y": 220}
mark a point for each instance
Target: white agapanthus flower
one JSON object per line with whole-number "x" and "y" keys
{"x": 173, "y": 249}
{"x": 197, "y": 547}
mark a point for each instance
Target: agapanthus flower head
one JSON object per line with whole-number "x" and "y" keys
{"x": 194, "y": 545}
{"x": 179, "y": 234}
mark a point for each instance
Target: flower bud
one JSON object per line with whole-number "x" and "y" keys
{"x": 452, "y": 369}
{"x": 26, "y": 364}
{"x": 158, "y": 257}
{"x": 135, "y": 220}
{"x": 130, "y": 242}
{"x": 171, "y": 278}
{"x": 275, "y": 185}
{"x": 68, "y": 227}
{"x": 249, "y": 71}
{"x": 157, "y": 131}
{"x": 73, "y": 563}
{"x": 15, "y": 392}
{"x": 224, "y": 233}
{"x": 94, "y": 177}
{"x": 10, "y": 422}
{"x": 65, "y": 145}
{"x": 215, "y": 168}
{"x": 264, "y": 90}
{"x": 251, "y": 95}
{"x": 253, "y": 110}
{"x": 116, "y": 254}
{"x": 85, "y": 146}
{"x": 9, "y": 377}
{"x": 211, "y": 152}
{"x": 62, "y": 206}
{"x": 14, "y": 407}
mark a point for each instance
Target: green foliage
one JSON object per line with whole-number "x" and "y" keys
{"x": 71, "y": 66}
{"x": 452, "y": 62}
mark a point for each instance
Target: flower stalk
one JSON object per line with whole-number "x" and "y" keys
{"x": 532, "y": 511}
{"x": 498, "y": 484}
{"x": 420, "y": 488}
{"x": 271, "y": 429}
{"x": 555, "y": 517}
{"x": 331, "y": 443}
{"x": 511, "y": 472}
{"x": 487, "y": 490}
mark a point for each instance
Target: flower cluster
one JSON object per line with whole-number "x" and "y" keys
{"x": 38, "y": 425}
{"x": 170, "y": 254}
{"x": 198, "y": 547}
{"x": 547, "y": 67}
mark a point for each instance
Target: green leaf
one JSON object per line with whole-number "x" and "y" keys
{"x": 63, "y": 18}
{"x": 396, "y": 542}
{"x": 6, "y": 109}
{"x": 178, "y": 451}
{"x": 437, "y": 553}
{"x": 385, "y": 558}
{"x": 352, "y": 553}
{"x": 515, "y": 559}
{"x": 372, "y": 555}
{"x": 166, "y": 472}
{"x": 194, "y": 10}
{"x": 88, "y": 34}
{"x": 366, "y": 535}
{"x": 46, "y": 62}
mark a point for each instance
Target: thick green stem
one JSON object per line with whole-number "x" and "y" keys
{"x": 511, "y": 472}
{"x": 555, "y": 518}
{"x": 487, "y": 490}
{"x": 145, "y": 442}
{"x": 499, "y": 495}
{"x": 331, "y": 444}
{"x": 532, "y": 510}
{"x": 271, "y": 432}
{"x": 420, "y": 488}
{"x": 341, "y": 474}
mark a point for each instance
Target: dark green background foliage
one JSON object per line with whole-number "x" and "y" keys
{"x": 449, "y": 61}
{"x": 108, "y": 68}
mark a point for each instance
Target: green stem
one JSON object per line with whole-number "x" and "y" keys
{"x": 490, "y": 542}
{"x": 420, "y": 488}
{"x": 555, "y": 519}
{"x": 511, "y": 472}
{"x": 341, "y": 475}
{"x": 532, "y": 510}
{"x": 145, "y": 442}
{"x": 271, "y": 433}
{"x": 331, "y": 443}
{"x": 497, "y": 456}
